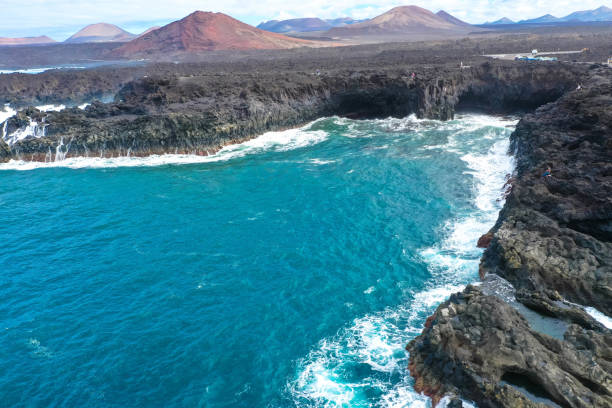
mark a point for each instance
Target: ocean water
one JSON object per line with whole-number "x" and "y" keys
{"x": 287, "y": 271}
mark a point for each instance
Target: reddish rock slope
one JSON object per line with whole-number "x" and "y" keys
{"x": 205, "y": 31}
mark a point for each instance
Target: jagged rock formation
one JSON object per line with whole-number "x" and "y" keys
{"x": 200, "y": 114}
{"x": 553, "y": 244}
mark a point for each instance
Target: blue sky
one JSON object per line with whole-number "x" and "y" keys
{"x": 61, "y": 18}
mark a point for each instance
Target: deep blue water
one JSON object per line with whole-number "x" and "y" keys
{"x": 290, "y": 270}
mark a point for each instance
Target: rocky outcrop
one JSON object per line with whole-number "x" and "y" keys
{"x": 198, "y": 114}
{"x": 553, "y": 245}
{"x": 482, "y": 348}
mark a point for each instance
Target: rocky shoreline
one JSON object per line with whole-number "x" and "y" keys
{"x": 192, "y": 112}
{"x": 522, "y": 338}
{"x": 519, "y": 339}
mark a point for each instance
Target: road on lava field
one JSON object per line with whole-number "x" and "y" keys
{"x": 527, "y": 54}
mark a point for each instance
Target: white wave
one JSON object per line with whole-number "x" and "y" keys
{"x": 461, "y": 122}
{"x": 477, "y": 120}
{"x": 446, "y": 400}
{"x": 378, "y": 339}
{"x": 599, "y": 316}
{"x": 369, "y": 290}
{"x": 83, "y": 105}
{"x": 321, "y": 162}
{"x": 25, "y": 71}
{"x": 50, "y": 108}
{"x": 6, "y": 113}
{"x": 271, "y": 141}
{"x": 35, "y": 70}
{"x": 490, "y": 171}
{"x": 402, "y": 395}
{"x": 458, "y": 253}
{"x": 32, "y": 130}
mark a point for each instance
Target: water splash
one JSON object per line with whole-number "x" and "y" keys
{"x": 270, "y": 141}
{"x": 32, "y": 130}
{"x": 374, "y": 344}
{"x": 600, "y": 317}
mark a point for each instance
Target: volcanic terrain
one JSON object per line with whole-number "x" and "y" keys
{"x": 101, "y": 32}
{"x": 205, "y": 31}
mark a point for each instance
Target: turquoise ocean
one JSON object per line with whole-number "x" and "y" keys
{"x": 287, "y": 271}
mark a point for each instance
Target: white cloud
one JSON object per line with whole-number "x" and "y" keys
{"x": 58, "y": 15}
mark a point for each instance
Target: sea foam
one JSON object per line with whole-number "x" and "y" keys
{"x": 271, "y": 141}
{"x": 377, "y": 340}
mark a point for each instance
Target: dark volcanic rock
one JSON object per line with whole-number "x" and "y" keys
{"x": 556, "y": 232}
{"x": 174, "y": 113}
{"x": 552, "y": 242}
{"x": 481, "y": 347}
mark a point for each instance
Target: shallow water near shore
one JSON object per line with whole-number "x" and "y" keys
{"x": 290, "y": 270}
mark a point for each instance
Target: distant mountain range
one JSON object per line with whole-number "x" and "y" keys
{"x": 101, "y": 32}
{"x": 602, "y": 13}
{"x": 407, "y": 22}
{"x": 303, "y": 25}
{"x": 546, "y": 18}
{"x": 93, "y": 33}
{"x": 503, "y": 20}
{"x": 40, "y": 40}
{"x": 405, "y": 19}
{"x": 206, "y": 31}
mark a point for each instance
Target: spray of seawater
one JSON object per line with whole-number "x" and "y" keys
{"x": 270, "y": 141}
{"x": 365, "y": 363}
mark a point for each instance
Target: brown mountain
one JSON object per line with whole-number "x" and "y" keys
{"x": 101, "y": 32}
{"x": 43, "y": 39}
{"x": 148, "y": 30}
{"x": 452, "y": 19}
{"x": 206, "y": 31}
{"x": 405, "y": 21}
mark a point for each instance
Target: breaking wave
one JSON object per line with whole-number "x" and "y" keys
{"x": 365, "y": 363}
{"x": 270, "y": 141}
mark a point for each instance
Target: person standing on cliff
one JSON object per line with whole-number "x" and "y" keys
{"x": 547, "y": 173}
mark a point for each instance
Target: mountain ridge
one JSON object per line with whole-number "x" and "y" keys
{"x": 406, "y": 20}
{"x": 39, "y": 40}
{"x": 207, "y": 31}
{"x": 100, "y": 32}
{"x": 452, "y": 19}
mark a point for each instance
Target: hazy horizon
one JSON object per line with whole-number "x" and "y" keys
{"x": 56, "y": 18}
